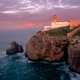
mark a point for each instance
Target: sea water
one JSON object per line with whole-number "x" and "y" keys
{"x": 17, "y": 67}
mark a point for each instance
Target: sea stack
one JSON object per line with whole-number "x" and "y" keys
{"x": 14, "y": 48}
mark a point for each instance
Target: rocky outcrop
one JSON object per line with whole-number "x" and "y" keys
{"x": 14, "y": 48}
{"x": 45, "y": 46}
{"x": 42, "y": 46}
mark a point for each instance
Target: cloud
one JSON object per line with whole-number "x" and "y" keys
{"x": 10, "y": 12}
{"x": 66, "y": 6}
{"x": 72, "y": 2}
{"x": 35, "y": 6}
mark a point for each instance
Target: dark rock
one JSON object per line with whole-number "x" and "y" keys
{"x": 14, "y": 48}
{"x": 74, "y": 57}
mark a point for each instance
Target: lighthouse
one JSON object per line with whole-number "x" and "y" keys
{"x": 56, "y": 23}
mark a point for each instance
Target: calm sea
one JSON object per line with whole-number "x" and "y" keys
{"x": 20, "y": 36}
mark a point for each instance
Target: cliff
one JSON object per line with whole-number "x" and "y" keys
{"x": 47, "y": 46}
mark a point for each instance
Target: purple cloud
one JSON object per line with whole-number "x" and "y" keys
{"x": 39, "y": 11}
{"x": 35, "y": 6}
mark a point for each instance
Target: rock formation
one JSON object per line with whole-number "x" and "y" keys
{"x": 74, "y": 57}
{"x": 44, "y": 46}
{"x": 14, "y": 48}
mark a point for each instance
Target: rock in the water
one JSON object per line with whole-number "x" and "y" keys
{"x": 14, "y": 48}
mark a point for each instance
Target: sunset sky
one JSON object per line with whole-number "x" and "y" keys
{"x": 23, "y": 14}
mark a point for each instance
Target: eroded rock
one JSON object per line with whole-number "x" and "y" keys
{"x": 14, "y": 48}
{"x": 45, "y": 47}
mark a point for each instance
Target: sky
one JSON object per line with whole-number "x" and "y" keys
{"x": 24, "y": 14}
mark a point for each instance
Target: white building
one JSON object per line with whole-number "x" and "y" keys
{"x": 55, "y": 25}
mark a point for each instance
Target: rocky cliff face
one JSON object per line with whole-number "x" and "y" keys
{"x": 74, "y": 57}
{"x": 46, "y": 47}
{"x": 43, "y": 46}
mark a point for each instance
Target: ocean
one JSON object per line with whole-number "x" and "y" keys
{"x": 17, "y": 67}
{"x": 20, "y": 36}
